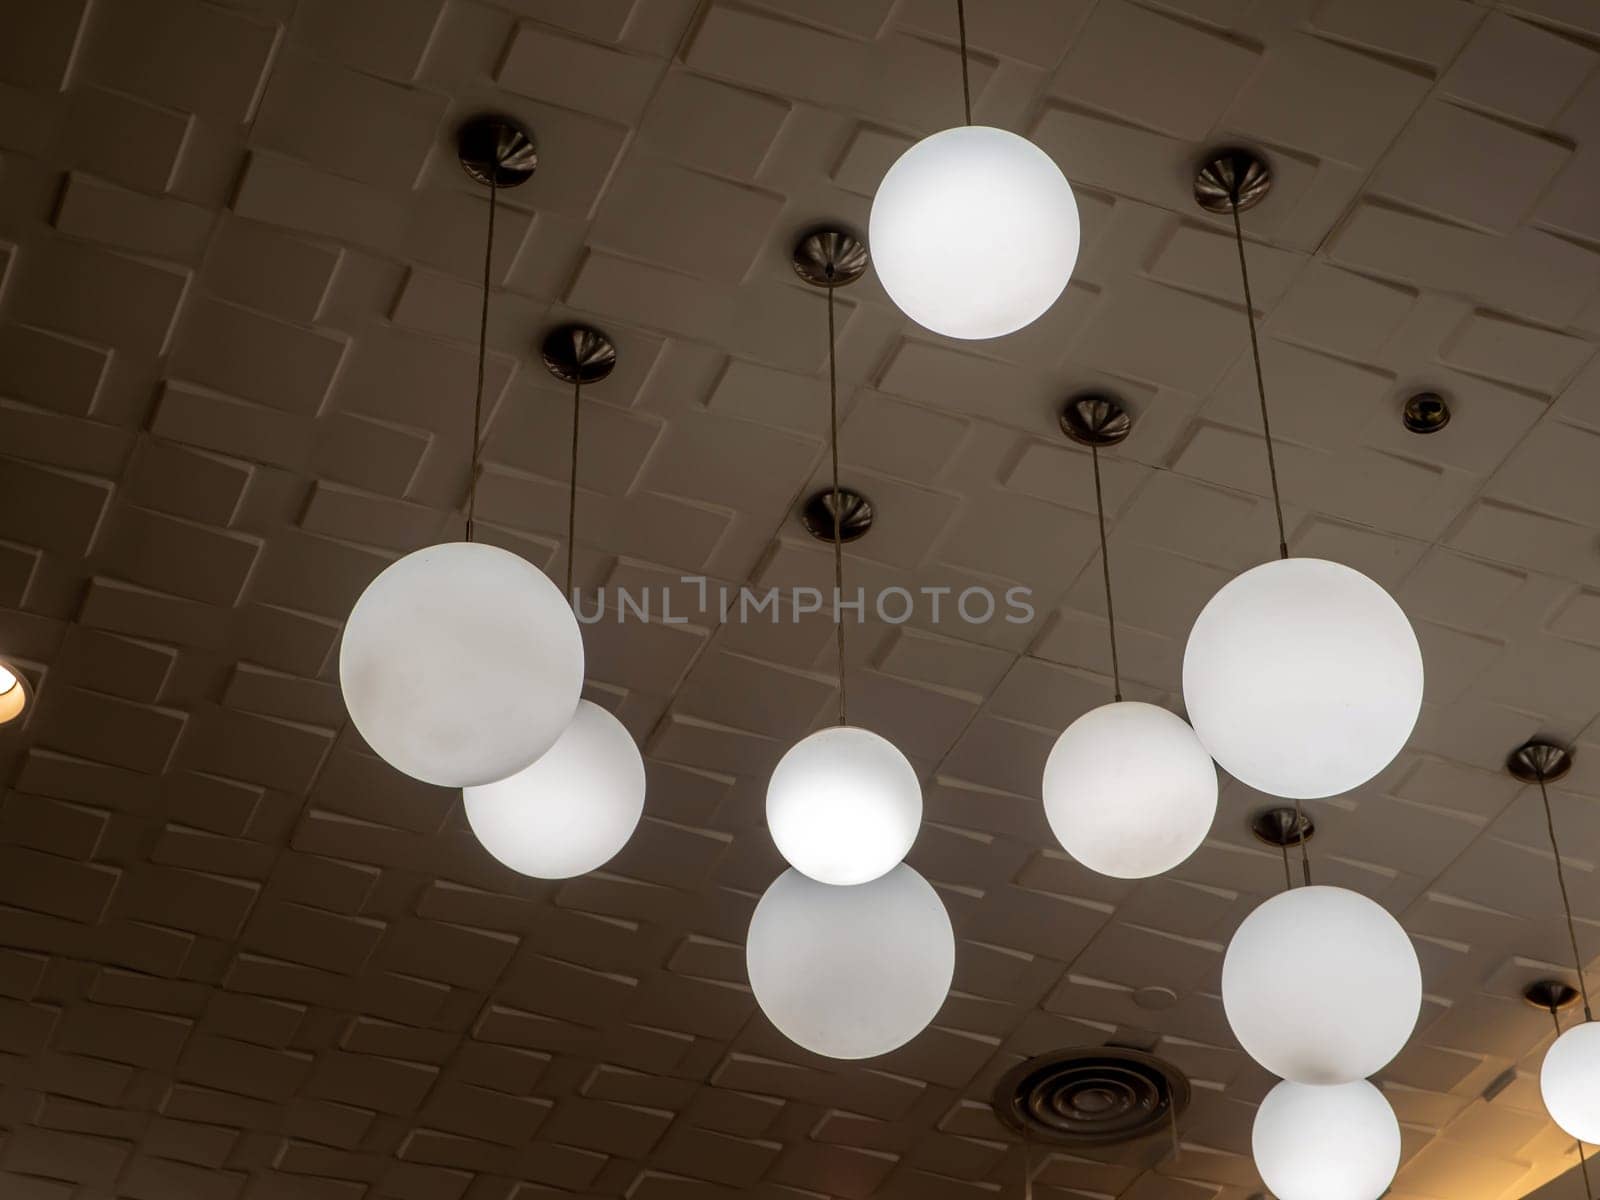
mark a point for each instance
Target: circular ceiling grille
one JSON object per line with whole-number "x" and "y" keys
{"x": 1092, "y": 1096}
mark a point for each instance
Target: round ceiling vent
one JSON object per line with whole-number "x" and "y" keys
{"x": 1092, "y": 1096}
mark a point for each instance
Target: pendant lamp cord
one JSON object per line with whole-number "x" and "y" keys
{"x": 483, "y": 344}
{"x": 966, "y": 86}
{"x": 1261, "y": 387}
{"x": 1105, "y": 571}
{"x": 1566, "y": 904}
{"x": 1305, "y": 855}
{"x": 1583, "y": 1159}
{"x": 838, "y": 514}
{"x": 1288, "y": 880}
{"x": 572, "y": 490}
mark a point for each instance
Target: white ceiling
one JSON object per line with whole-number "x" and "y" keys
{"x": 247, "y": 960}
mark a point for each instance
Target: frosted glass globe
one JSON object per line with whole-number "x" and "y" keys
{"x": 1321, "y": 985}
{"x": 573, "y": 809}
{"x": 1129, "y": 791}
{"x": 974, "y": 232}
{"x": 843, "y": 805}
{"x": 1569, "y": 1080}
{"x": 851, "y": 972}
{"x": 1303, "y": 678}
{"x": 1326, "y": 1143}
{"x": 461, "y": 664}
{"x": 13, "y": 695}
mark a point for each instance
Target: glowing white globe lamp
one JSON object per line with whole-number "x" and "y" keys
{"x": 461, "y": 664}
{"x": 1569, "y": 1081}
{"x": 851, "y": 972}
{"x": 1321, "y": 986}
{"x": 573, "y": 809}
{"x": 974, "y": 232}
{"x": 1303, "y": 678}
{"x": 13, "y": 694}
{"x": 1326, "y": 1143}
{"x": 1129, "y": 791}
{"x": 844, "y": 805}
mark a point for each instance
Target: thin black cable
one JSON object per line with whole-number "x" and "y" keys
{"x": 1301, "y": 830}
{"x": 1583, "y": 1161}
{"x": 572, "y": 489}
{"x": 838, "y": 506}
{"x": 1261, "y": 387}
{"x": 1566, "y": 904}
{"x": 483, "y": 343}
{"x": 966, "y": 86}
{"x": 1105, "y": 571}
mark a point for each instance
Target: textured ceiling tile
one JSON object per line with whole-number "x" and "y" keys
{"x": 1528, "y": 272}
{"x": 1341, "y": 312}
{"x": 1519, "y": 70}
{"x": 104, "y": 298}
{"x": 1469, "y": 168}
{"x": 256, "y": 358}
{"x": 683, "y": 219}
{"x": 261, "y": 268}
{"x": 777, "y": 55}
{"x": 191, "y": 560}
{"x": 1202, "y": 338}
{"x": 712, "y": 126}
{"x": 200, "y": 58}
{"x": 280, "y": 191}
{"x": 248, "y": 431}
{"x": 1315, "y": 400}
{"x": 48, "y": 509}
{"x": 381, "y": 36}
{"x": 41, "y": 42}
{"x": 1541, "y": 474}
{"x": 578, "y": 75}
{"x": 1425, "y": 31}
{"x": 1199, "y": 259}
{"x": 1327, "y": 101}
{"x": 124, "y": 139}
{"x": 1525, "y": 355}
{"x": 163, "y": 229}
{"x": 1106, "y": 69}
{"x": 43, "y": 368}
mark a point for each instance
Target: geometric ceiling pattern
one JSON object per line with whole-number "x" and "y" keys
{"x": 242, "y": 959}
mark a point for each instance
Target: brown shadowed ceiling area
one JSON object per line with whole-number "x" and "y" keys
{"x": 243, "y": 959}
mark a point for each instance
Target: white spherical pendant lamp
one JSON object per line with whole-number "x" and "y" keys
{"x": 974, "y": 232}
{"x": 851, "y": 972}
{"x": 1326, "y": 1143}
{"x": 1129, "y": 791}
{"x": 573, "y": 809}
{"x": 1569, "y": 1081}
{"x": 1303, "y": 678}
{"x": 844, "y": 805}
{"x": 1321, "y": 985}
{"x": 461, "y": 664}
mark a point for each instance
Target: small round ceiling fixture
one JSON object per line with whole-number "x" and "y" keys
{"x": 1550, "y": 995}
{"x": 13, "y": 693}
{"x": 1282, "y": 827}
{"x": 497, "y": 151}
{"x": 1232, "y": 178}
{"x": 829, "y": 257}
{"x": 1426, "y": 412}
{"x": 1539, "y": 760}
{"x": 1091, "y": 1096}
{"x": 855, "y": 515}
{"x": 578, "y": 354}
{"x": 1096, "y": 419}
